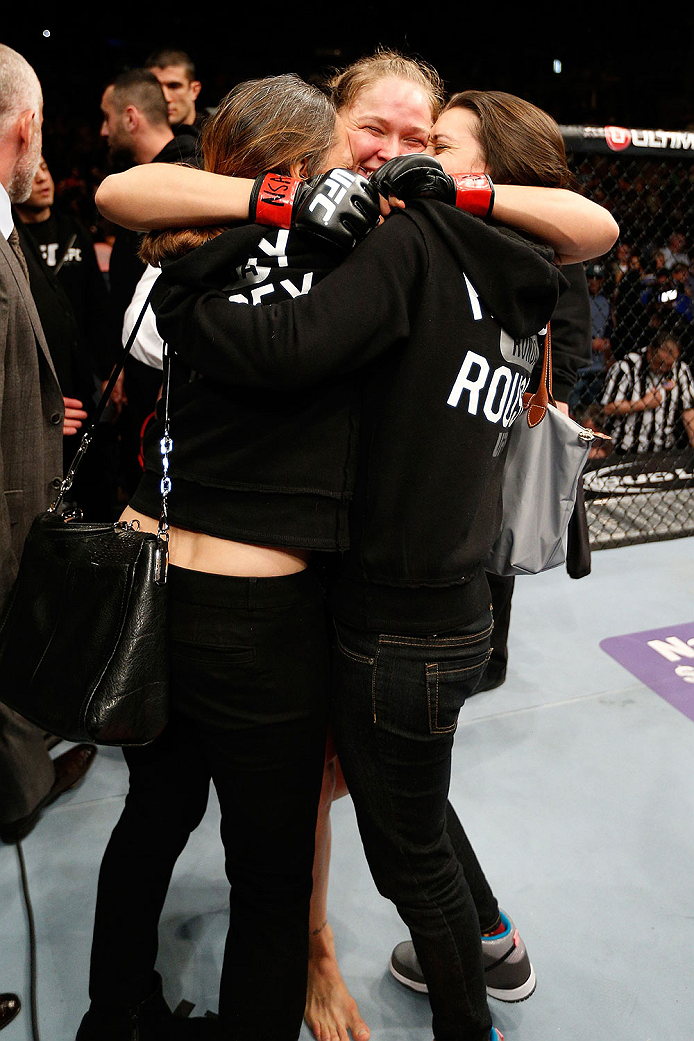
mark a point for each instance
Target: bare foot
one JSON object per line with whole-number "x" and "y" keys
{"x": 331, "y": 1012}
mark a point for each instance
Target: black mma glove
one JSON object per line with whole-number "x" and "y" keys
{"x": 420, "y": 176}
{"x": 339, "y": 207}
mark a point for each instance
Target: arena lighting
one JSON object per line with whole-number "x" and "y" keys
{"x": 556, "y": 66}
{"x": 46, "y": 33}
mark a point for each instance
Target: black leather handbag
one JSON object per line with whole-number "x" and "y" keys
{"x": 83, "y": 639}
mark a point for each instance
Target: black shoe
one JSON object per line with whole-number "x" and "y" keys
{"x": 151, "y": 1020}
{"x": 10, "y": 1006}
{"x": 70, "y": 768}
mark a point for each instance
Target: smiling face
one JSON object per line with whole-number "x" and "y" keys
{"x": 389, "y": 117}
{"x": 454, "y": 142}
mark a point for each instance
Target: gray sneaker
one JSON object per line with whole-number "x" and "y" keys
{"x": 507, "y": 969}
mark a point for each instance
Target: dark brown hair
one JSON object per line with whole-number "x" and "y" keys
{"x": 345, "y": 86}
{"x": 520, "y": 143}
{"x": 141, "y": 88}
{"x": 167, "y": 56}
{"x": 263, "y": 124}
{"x": 268, "y": 124}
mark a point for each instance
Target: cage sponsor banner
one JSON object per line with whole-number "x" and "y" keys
{"x": 639, "y": 497}
{"x": 663, "y": 659}
{"x": 636, "y": 472}
{"x": 610, "y": 139}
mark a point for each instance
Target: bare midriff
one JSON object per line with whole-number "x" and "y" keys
{"x": 196, "y": 551}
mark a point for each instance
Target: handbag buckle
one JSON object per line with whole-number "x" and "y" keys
{"x": 132, "y": 525}
{"x": 73, "y": 513}
{"x": 161, "y": 558}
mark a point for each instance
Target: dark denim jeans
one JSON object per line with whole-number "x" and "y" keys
{"x": 249, "y": 676}
{"x": 396, "y": 705}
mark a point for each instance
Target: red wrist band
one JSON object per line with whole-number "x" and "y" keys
{"x": 275, "y": 200}
{"x": 474, "y": 193}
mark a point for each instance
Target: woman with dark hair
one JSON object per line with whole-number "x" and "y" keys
{"x": 259, "y": 481}
{"x": 517, "y": 143}
{"x": 514, "y": 142}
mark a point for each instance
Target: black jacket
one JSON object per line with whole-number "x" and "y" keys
{"x": 64, "y": 238}
{"x": 68, "y": 350}
{"x": 438, "y": 313}
{"x": 571, "y": 333}
{"x": 256, "y": 464}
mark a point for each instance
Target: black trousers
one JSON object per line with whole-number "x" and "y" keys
{"x": 397, "y": 701}
{"x": 501, "y": 587}
{"x": 249, "y": 673}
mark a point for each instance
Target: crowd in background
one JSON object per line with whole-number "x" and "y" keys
{"x": 643, "y": 290}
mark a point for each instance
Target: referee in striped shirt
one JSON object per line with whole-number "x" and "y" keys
{"x": 647, "y": 395}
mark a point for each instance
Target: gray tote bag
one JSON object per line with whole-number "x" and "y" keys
{"x": 546, "y": 455}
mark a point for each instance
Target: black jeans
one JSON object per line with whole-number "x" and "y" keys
{"x": 501, "y": 588}
{"x": 485, "y": 902}
{"x": 249, "y": 676}
{"x": 397, "y": 700}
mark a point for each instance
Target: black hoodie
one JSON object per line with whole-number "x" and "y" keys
{"x": 438, "y": 313}
{"x": 255, "y": 463}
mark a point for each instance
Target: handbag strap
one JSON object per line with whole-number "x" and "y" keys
{"x": 537, "y": 403}
{"x": 63, "y": 258}
{"x": 165, "y": 444}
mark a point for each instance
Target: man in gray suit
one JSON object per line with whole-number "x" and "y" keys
{"x": 33, "y": 415}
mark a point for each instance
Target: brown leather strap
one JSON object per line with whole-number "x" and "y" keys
{"x": 536, "y": 406}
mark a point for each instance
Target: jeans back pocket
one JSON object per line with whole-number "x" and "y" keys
{"x": 449, "y": 683}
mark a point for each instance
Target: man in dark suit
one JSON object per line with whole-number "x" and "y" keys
{"x": 33, "y": 416}
{"x": 74, "y": 307}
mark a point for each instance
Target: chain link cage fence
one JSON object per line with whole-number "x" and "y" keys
{"x": 639, "y": 387}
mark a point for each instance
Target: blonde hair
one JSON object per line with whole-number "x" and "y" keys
{"x": 345, "y": 86}
{"x": 261, "y": 125}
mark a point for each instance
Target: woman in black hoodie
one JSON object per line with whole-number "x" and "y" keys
{"x": 252, "y": 494}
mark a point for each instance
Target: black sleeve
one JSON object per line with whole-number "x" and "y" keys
{"x": 571, "y": 332}
{"x": 103, "y": 337}
{"x": 349, "y": 318}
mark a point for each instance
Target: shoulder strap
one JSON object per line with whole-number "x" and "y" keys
{"x": 88, "y": 435}
{"x": 537, "y": 403}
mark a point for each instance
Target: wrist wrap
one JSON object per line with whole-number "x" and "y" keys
{"x": 272, "y": 200}
{"x": 474, "y": 193}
